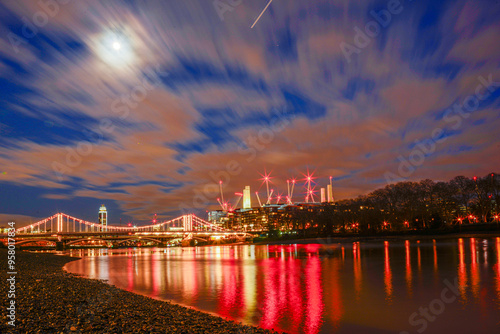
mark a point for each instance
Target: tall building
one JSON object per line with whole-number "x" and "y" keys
{"x": 247, "y": 201}
{"x": 103, "y": 217}
{"x": 323, "y": 197}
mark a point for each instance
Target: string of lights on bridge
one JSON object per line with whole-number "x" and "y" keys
{"x": 80, "y": 225}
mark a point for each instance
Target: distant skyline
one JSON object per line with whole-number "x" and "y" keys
{"x": 143, "y": 106}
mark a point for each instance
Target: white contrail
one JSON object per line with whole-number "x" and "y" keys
{"x": 261, "y": 14}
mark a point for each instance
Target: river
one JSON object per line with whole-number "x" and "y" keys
{"x": 380, "y": 286}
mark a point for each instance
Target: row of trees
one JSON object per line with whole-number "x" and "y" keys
{"x": 404, "y": 205}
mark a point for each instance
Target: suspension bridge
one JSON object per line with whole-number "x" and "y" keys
{"x": 62, "y": 230}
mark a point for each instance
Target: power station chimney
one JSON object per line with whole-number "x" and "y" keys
{"x": 247, "y": 201}
{"x": 330, "y": 193}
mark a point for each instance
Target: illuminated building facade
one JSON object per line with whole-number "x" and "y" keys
{"x": 218, "y": 217}
{"x": 267, "y": 217}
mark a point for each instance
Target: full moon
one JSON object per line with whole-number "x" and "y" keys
{"x": 116, "y": 49}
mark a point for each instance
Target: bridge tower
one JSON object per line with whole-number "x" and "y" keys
{"x": 59, "y": 222}
{"x": 187, "y": 222}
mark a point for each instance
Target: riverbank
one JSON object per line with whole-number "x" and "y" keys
{"x": 50, "y": 300}
{"x": 390, "y": 237}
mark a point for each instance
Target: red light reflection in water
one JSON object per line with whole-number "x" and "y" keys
{"x": 294, "y": 285}
{"x": 282, "y": 286}
{"x": 145, "y": 268}
{"x": 357, "y": 268}
{"x": 156, "y": 272}
{"x": 474, "y": 268}
{"x": 498, "y": 270}
{"x": 294, "y": 293}
{"x": 462, "y": 270}
{"x": 435, "y": 256}
{"x": 192, "y": 277}
{"x": 408, "y": 267}
{"x": 314, "y": 302}
{"x": 333, "y": 288}
{"x": 232, "y": 301}
{"x": 293, "y": 289}
{"x": 271, "y": 294}
{"x": 419, "y": 258}
{"x": 130, "y": 272}
{"x": 387, "y": 272}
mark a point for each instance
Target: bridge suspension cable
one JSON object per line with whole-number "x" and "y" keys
{"x": 62, "y": 223}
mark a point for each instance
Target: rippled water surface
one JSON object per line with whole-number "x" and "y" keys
{"x": 409, "y": 286}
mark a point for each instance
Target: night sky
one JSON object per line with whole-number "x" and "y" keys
{"x": 145, "y": 105}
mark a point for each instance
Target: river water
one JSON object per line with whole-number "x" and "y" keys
{"x": 392, "y": 286}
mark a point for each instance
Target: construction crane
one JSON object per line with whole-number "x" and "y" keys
{"x": 269, "y": 197}
{"x": 240, "y": 195}
{"x": 258, "y": 198}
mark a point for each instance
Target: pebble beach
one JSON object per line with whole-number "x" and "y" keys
{"x": 50, "y": 300}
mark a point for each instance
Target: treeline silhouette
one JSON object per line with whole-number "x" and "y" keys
{"x": 403, "y": 206}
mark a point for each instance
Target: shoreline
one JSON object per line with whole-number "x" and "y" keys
{"x": 52, "y": 300}
{"x": 330, "y": 240}
{"x": 159, "y": 299}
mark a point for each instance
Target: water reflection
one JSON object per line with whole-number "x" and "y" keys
{"x": 314, "y": 291}
{"x": 462, "y": 270}
{"x": 315, "y": 288}
{"x": 408, "y": 267}
{"x": 387, "y": 272}
{"x": 498, "y": 271}
{"x": 356, "y": 249}
{"x": 474, "y": 268}
{"x": 434, "y": 250}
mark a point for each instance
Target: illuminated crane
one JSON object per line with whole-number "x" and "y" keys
{"x": 258, "y": 198}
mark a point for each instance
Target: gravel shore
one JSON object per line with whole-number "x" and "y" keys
{"x": 50, "y": 300}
